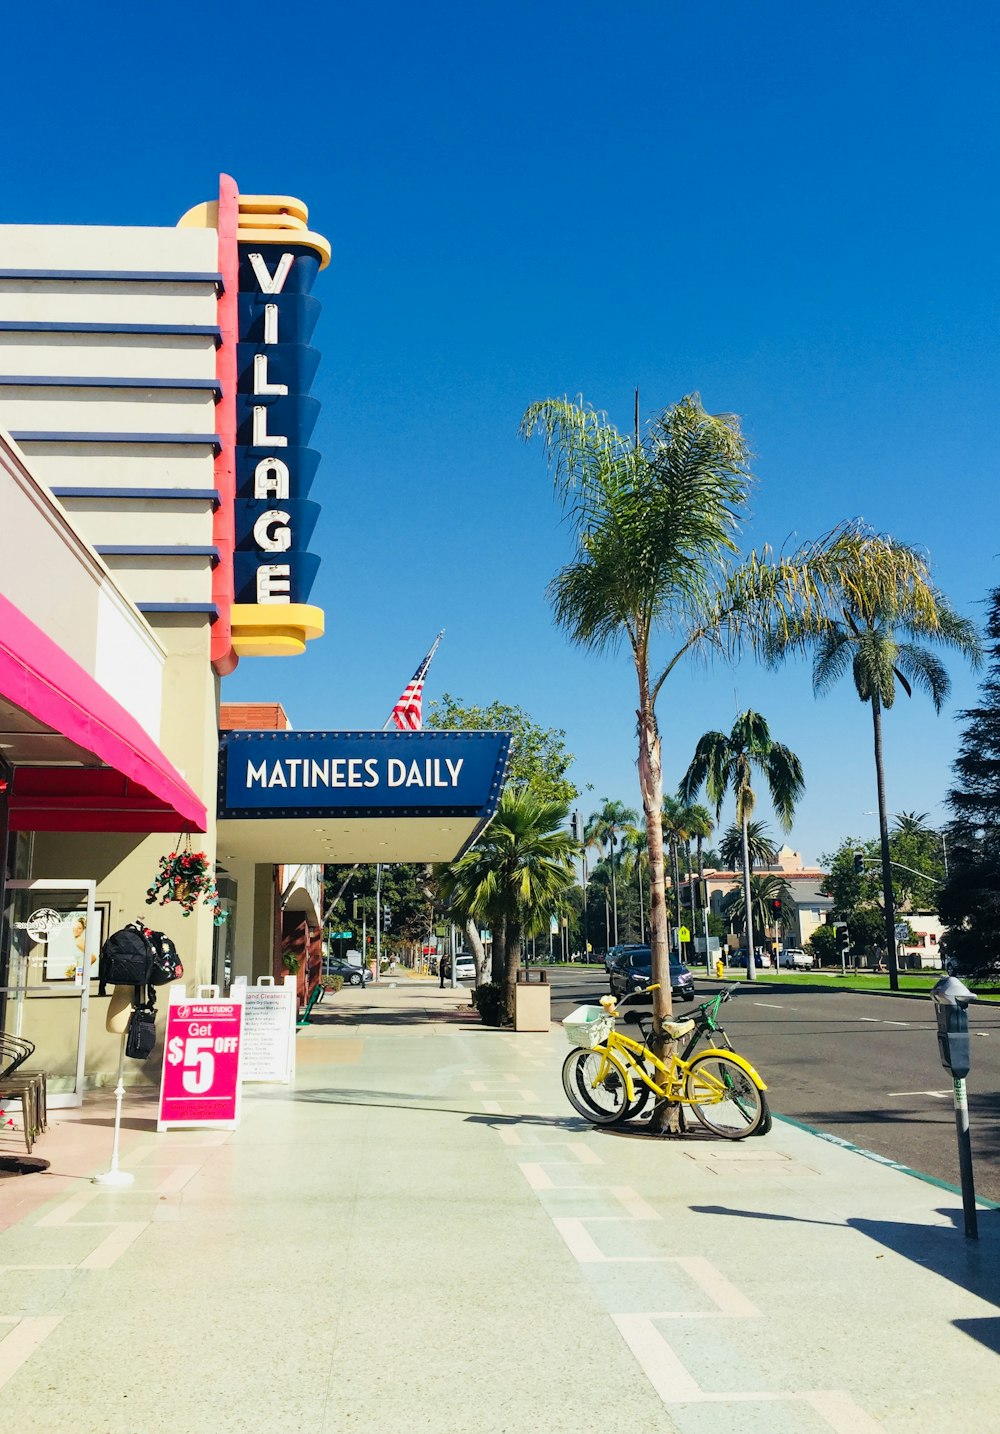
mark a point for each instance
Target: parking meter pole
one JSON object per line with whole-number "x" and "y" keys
{"x": 952, "y": 1000}
{"x": 965, "y": 1160}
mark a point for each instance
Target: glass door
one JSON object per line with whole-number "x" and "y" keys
{"x": 50, "y": 952}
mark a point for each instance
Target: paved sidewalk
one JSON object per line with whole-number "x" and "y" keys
{"x": 422, "y": 1235}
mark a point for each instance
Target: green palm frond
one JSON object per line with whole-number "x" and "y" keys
{"x": 925, "y": 670}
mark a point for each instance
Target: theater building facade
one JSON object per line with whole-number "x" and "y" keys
{"x": 158, "y": 495}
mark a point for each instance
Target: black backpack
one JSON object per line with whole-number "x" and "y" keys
{"x": 166, "y": 964}
{"x": 126, "y": 959}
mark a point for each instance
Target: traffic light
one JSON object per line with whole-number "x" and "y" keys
{"x": 776, "y": 906}
{"x": 859, "y": 864}
{"x": 354, "y": 908}
{"x": 841, "y": 932}
{"x": 575, "y": 826}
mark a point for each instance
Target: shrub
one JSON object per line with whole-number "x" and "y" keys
{"x": 489, "y": 1002}
{"x": 331, "y": 983}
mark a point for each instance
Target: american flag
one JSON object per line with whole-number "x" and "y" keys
{"x": 407, "y": 712}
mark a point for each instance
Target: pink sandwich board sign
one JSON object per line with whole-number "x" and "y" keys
{"x": 200, "y": 1083}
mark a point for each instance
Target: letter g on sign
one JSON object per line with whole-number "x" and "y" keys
{"x": 271, "y": 532}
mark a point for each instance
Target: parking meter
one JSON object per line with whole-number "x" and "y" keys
{"x": 951, "y": 1006}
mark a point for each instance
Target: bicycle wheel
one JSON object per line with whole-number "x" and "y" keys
{"x": 602, "y": 1100}
{"x": 723, "y": 1097}
{"x": 767, "y": 1121}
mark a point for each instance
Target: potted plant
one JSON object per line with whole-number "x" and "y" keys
{"x": 187, "y": 877}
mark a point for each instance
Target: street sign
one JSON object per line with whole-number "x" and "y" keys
{"x": 341, "y": 935}
{"x": 902, "y": 930}
{"x": 683, "y": 934}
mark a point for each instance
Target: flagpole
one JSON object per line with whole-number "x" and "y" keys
{"x": 421, "y": 671}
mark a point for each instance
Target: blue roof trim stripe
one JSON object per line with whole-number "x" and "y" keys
{"x": 209, "y": 608}
{"x": 179, "y": 494}
{"x": 192, "y": 440}
{"x": 32, "y": 326}
{"x": 38, "y": 380}
{"x": 141, "y": 276}
{"x": 153, "y": 550}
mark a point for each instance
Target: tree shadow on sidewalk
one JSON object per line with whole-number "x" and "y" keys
{"x": 402, "y": 1100}
{"x": 940, "y": 1249}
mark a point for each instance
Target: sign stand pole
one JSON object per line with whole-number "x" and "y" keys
{"x": 115, "y": 1176}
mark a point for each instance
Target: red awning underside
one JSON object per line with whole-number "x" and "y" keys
{"x": 135, "y": 788}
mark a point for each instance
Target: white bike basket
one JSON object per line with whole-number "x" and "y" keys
{"x": 588, "y": 1026}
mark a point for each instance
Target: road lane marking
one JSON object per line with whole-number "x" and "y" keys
{"x": 874, "y": 1020}
{"x": 895, "y": 1023}
{"x": 937, "y": 1094}
{"x": 772, "y": 1005}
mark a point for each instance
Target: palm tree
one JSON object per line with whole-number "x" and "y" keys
{"x": 911, "y": 824}
{"x": 700, "y": 826}
{"x": 518, "y": 874}
{"x": 724, "y": 763}
{"x": 675, "y": 832}
{"x": 656, "y": 518}
{"x": 877, "y": 636}
{"x": 607, "y": 828}
{"x": 635, "y": 852}
{"x": 764, "y": 892}
{"x": 759, "y": 845}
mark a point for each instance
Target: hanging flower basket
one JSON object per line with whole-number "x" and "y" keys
{"x": 187, "y": 877}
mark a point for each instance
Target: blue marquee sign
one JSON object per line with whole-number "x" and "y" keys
{"x": 373, "y": 774}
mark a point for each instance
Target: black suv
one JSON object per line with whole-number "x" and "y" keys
{"x": 633, "y": 972}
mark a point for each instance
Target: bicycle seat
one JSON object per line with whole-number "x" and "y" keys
{"x": 676, "y": 1029}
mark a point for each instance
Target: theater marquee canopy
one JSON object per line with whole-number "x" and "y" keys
{"x": 356, "y": 796}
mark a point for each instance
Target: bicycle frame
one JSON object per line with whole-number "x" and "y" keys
{"x": 622, "y": 1053}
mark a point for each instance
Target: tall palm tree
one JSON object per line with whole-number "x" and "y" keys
{"x": 726, "y": 763}
{"x": 675, "y": 832}
{"x": 764, "y": 892}
{"x": 608, "y": 827}
{"x": 760, "y": 847}
{"x": 656, "y": 517}
{"x": 517, "y": 875}
{"x": 877, "y": 636}
{"x": 700, "y": 826}
{"x": 636, "y": 860}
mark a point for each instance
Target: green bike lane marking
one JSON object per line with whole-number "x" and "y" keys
{"x": 882, "y": 1159}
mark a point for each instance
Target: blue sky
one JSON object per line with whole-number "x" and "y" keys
{"x": 791, "y": 208}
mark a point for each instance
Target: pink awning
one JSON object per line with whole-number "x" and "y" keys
{"x": 142, "y": 791}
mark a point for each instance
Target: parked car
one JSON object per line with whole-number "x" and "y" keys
{"x": 760, "y": 959}
{"x": 797, "y": 959}
{"x": 353, "y": 975}
{"x": 465, "y": 966}
{"x": 634, "y": 973}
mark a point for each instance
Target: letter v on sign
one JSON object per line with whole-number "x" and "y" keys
{"x": 271, "y": 283}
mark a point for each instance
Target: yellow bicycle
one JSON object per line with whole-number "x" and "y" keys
{"x": 607, "y": 1076}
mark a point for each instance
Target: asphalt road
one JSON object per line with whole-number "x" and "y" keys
{"x": 862, "y": 1067}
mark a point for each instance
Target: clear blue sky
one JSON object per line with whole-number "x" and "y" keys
{"x": 790, "y": 207}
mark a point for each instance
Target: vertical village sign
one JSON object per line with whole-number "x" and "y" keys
{"x": 268, "y": 262}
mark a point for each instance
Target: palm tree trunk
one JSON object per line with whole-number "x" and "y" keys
{"x": 704, "y": 909}
{"x": 666, "y": 1116}
{"x": 676, "y": 868}
{"x": 614, "y": 889}
{"x": 642, "y": 914}
{"x": 512, "y": 960}
{"x": 691, "y": 896}
{"x": 498, "y": 974}
{"x": 883, "y": 831}
{"x": 476, "y": 947}
{"x": 751, "y": 969}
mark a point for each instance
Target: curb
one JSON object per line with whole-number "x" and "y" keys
{"x": 886, "y": 1160}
